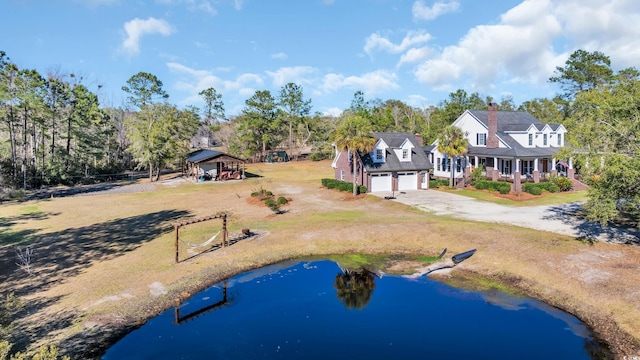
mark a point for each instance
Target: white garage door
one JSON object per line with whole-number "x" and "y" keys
{"x": 380, "y": 182}
{"x": 408, "y": 181}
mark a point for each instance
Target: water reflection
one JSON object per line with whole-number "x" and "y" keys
{"x": 179, "y": 319}
{"x": 293, "y": 311}
{"x": 354, "y": 288}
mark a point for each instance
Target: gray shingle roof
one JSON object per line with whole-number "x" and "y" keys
{"x": 512, "y": 121}
{"x": 419, "y": 160}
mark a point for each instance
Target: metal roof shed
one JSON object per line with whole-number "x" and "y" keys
{"x": 219, "y": 165}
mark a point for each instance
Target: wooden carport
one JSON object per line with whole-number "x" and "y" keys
{"x": 219, "y": 165}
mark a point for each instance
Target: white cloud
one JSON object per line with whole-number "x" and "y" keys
{"x": 415, "y": 55}
{"x": 417, "y": 101}
{"x": 520, "y": 47}
{"x": 279, "y": 55}
{"x": 192, "y": 5}
{"x": 296, "y": 74}
{"x": 238, "y": 4}
{"x": 332, "y": 111}
{"x": 423, "y": 12}
{"x": 377, "y": 41}
{"x": 372, "y": 83}
{"x": 137, "y": 28}
{"x": 329, "y": 2}
{"x": 607, "y": 26}
{"x": 192, "y": 81}
{"x": 206, "y": 7}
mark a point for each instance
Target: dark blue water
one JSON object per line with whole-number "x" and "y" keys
{"x": 292, "y": 311}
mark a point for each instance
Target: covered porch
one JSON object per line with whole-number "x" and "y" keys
{"x": 520, "y": 169}
{"x": 204, "y": 165}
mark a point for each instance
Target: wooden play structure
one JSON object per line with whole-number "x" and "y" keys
{"x": 212, "y": 239}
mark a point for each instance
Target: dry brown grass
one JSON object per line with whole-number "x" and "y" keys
{"x": 96, "y": 257}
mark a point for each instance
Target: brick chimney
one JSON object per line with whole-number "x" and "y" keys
{"x": 419, "y": 138}
{"x": 492, "y": 137}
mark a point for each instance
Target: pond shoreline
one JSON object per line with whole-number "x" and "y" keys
{"x": 605, "y": 331}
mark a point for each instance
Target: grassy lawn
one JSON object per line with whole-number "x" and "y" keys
{"x": 97, "y": 257}
{"x": 545, "y": 199}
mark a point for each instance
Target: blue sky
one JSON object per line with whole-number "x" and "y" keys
{"x": 416, "y": 51}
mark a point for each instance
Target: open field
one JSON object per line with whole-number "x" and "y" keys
{"x": 103, "y": 263}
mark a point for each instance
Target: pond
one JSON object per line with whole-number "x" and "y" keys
{"x": 316, "y": 310}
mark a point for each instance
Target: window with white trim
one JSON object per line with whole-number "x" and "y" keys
{"x": 342, "y": 175}
{"x": 405, "y": 154}
{"x": 559, "y": 139}
{"x": 481, "y": 139}
{"x": 530, "y": 139}
{"x": 379, "y": 155}
{"x": 544, "y": 139}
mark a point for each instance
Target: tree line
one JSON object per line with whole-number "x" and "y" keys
{"x": 53, "y": 129}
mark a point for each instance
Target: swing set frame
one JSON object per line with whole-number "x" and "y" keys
{"x": 177, "y": 226}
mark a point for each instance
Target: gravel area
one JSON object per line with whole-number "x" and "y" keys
{"x": 561, "y": 219}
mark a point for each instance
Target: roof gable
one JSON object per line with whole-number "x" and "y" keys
{"x": 396, "y": 143}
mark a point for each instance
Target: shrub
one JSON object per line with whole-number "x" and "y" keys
{"x": 282, "y": 200}
{"x": 501, "y": 186}
{"x": 438, "y": 182}
{"x": 320, "y": 155}
{"x": 272, "y": 204}
{"x": 549, "y": 186}
{"x": 342, "y": 185}
{"x": 482, "y": 184}
{"x": 563, "y": 183}
{"x": 476, "y": 175}
{"x": 533, "y": 189}
{"x": 331, "y": 183}
{"x": 262, "y": 194}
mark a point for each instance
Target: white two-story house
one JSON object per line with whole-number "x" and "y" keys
{"x": 510, "y": 145}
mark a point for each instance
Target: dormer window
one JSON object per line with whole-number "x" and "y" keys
{"x": 530, "y": 139}
{"x": 544, "y": 140}
{"x": 481, "y": 139}
{"x": 405, "y": 154}
{"x": 559, "y": 139}
{"x": 379, "y": 155}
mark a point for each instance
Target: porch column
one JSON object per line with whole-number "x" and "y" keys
{"x": 496, "y": 172}
{"x": 467, "y": 171}
{"x": 571, "y": 172}
{"x": 488, "y": 170}
{"x": 536, "y": 172}
{"x": 517, "y": 181}
{"x": 554, "y": 171}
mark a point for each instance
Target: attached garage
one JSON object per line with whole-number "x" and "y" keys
{"x": 407, "y": 181}
{"x": 380, "y": 182}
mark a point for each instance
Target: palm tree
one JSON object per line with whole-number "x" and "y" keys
{"x": 452, "y": 143}
{"x": 355, "y": 134}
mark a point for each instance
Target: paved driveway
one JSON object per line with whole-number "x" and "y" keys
{"x": 560, "y": 219}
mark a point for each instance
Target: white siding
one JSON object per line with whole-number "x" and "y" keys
{"x": 382, "y": 146}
